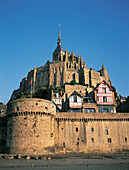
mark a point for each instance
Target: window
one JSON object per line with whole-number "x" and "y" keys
{"x": 104, "y": 90}
{"x": 76, "y": 129}
{"x": 63, "y": 145}
{"x": 46, "y": 108}
{"x": 106, "y": 132}
{"x": 73, "y": 76}
{"x": 97, "y": 98}
{"x": 75, "y": 110}
{"x": 104, "y": 99}
{"x": 75, "y": 98}
{"x": 109, "y": 140}
{"x": 92, "y": 139}
{"x": 17, "y": 109}
{"x": 97, "y": 91}
{"x": 89, "y": 110}
{"x": 125, "y": 139}
{"x": 92, "y": 129}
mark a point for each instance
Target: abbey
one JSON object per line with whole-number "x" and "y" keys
{"x": 64, "y": 68}
{"x": 81, "y": 116}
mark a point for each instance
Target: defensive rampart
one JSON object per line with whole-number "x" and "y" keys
{"x": 34, "y": 127}
{"x": 30, "y": 126}
{"x": 92, "y": 132}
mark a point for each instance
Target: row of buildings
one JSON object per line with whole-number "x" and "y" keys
{"x": 77, "y": 99}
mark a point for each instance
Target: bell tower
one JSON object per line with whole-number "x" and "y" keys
{"x": 59, "y": 52}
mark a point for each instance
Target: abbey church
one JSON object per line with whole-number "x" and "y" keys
{"x": 64, "y": 68}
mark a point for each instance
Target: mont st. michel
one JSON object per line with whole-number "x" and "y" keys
{"x": 64, "y": 107}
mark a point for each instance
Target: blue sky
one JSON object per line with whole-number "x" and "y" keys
{"x": 96, "y": 29}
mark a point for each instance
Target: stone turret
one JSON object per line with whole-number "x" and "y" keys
{"x": 84, "y": 64}
{"x": 78, "y": 58}
{"x": 104, "y": 71}
{"x": 81, "y": 62}
{"x": 66, "y": 54}
{"x": 72, "y": 56}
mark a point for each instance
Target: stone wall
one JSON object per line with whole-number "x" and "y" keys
{"x": 69, "y": 89}
{"x": 34, "y": 127}
{"x": 30, "y": 126}
{"x": 3, "y": 129}
{"x": 77, "y": 132}
{"x": 57, "y": 71}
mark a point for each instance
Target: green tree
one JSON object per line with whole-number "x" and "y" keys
{"x": 73, "y": 82}
{"x": 43, "y": 93}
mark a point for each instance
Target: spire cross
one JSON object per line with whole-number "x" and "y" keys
{"x": 59, "y": 28}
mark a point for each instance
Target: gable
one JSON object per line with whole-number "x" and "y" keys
{"x": 75, "y": 93}
{"x": 101, "y": 85}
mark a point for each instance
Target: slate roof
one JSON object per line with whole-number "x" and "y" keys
{"x": 59, "y": 48}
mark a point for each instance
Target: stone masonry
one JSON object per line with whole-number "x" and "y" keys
{"x": 65, "y": 67}
{"x": 34, "y": 127}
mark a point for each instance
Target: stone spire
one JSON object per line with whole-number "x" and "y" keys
{"x": 66, "y": 50}
{"x": 81, "y": 62}
{"x": 59, "y": 52}
{"x": 66, "y": 54}
{"x": 104, "y": 71}
{"x": 103, "y": 67}
{"x": 78, "y": 57}
{"x": 84, "y": 65}
{"x": 81, "y": 59}
{"x": 59, "y": 37}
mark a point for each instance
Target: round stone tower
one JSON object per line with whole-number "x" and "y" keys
{"x": 30, "y": 126}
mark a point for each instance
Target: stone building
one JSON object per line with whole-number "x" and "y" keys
{"x": 64, "y": 68}
{"x": 79, "y": 98}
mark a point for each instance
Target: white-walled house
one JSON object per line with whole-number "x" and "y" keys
{"x": 75, "y": 102}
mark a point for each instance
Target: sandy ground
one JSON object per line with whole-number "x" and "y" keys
{"x": 69, "y": 163}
